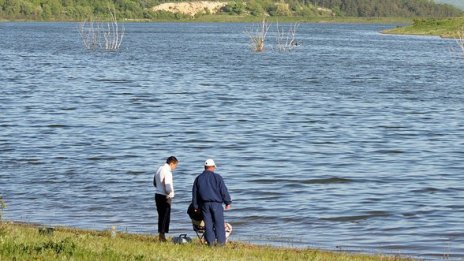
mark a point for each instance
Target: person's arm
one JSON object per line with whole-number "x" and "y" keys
{"x": 157, "y": 172}
{"x": 168, "y": 186}
{"x": 225, "y": 194}
{"x": 194, "y": 194}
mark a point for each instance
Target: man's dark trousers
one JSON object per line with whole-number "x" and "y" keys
{"x": 163, "y": 206}
{"x": 213, "y": 215}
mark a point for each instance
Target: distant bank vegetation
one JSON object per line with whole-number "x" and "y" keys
{"x": 78, "y": 10}
{"x": 445, "y": 27}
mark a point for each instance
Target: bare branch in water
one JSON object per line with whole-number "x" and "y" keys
{"x": 258, "y": 36}
{"x": 286, "y": 39}
{"x": 95, "y": 35}
{"x": 90, "y": 34}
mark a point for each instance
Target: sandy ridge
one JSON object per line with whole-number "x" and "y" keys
{"x": 191, "y": 8}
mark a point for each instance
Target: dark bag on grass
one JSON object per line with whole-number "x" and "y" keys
{"x": 181, "y": 239}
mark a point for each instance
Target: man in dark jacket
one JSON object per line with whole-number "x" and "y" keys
{"x": 209, "y": 192}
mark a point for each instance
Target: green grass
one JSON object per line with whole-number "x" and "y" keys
{"x": 448, "y": 27}
{"x": 25, "y": 242}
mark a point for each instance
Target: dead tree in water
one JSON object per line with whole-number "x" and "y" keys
{"x": 113, "y": 35}
{"x": 258, "y": 36}
{"x": 286, "y": 40}
{"x": 97, "y": 35}
{"x": 90, "y": 35}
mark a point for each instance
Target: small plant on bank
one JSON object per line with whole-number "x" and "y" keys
{"x": 2, "y": 207}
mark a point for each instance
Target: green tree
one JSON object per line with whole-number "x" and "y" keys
{"x": 255, "y": 8}
{"x": 2, "y": 2}
{"x": 282, "y": 9}
{"x": 27, "y": 8}
{"x": 235, "y": 7}
{"x": 46, "y": 12}
{"x": 83, "y": 12}
{"x": 306, "y": 11}
{"x": 12, "y": 8}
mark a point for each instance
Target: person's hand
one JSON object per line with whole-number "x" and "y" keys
{"x": 227, "y": 207}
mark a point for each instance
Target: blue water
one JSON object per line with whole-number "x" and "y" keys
{"x": 352, "y": 142}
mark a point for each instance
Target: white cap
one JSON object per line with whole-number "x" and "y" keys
{"x": 210, "y": 163}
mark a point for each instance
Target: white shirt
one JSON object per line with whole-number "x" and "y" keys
{"x": 164, "y": 184}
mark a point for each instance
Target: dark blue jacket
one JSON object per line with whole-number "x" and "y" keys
{"x": 209, "y": 187}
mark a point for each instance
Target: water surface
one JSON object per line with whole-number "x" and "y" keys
{"x": 353, "y": 141}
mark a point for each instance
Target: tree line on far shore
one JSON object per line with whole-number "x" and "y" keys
{"x": 62, "y": 10}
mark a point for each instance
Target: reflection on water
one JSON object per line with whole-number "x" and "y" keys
{"x": 353, "y": 141}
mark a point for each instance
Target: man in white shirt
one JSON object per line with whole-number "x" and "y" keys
{"x": 164, "y": 193}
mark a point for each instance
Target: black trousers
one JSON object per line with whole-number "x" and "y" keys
{"x": 163, "y": 206}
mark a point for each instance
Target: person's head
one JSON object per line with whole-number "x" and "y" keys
{"x": 210, "y": 165}
{"x": 172, "y": 162}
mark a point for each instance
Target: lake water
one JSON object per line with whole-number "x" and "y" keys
{"x": 354, "y": 141}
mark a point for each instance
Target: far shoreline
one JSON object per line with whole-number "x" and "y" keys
{"x": 245, "y": 19}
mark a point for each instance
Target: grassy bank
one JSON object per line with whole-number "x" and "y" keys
{"x": 439, "y": 27}
{"x": 26, "y": 242}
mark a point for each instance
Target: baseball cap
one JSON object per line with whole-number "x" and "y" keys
{"x": 210, "y": 163}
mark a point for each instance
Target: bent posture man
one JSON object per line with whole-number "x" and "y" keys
{"x": 164, "y": 194}
{"x": 209, "y": 192}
